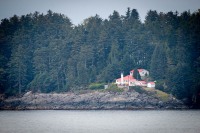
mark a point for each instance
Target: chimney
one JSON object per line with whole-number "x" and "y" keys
{"x": 122, "y": 78}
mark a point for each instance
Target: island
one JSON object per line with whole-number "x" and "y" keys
{"x": 94, "y": 100}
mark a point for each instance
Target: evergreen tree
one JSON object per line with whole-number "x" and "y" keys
{"x": 158, "y": 63}
{"x": 18, "y": 69}
{"x": 136, "y": 74}
{"x": 46, "y": 53}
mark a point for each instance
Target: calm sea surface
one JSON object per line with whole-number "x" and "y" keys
{"x": 56, "y": 121}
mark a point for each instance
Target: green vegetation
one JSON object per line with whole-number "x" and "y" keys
{"x": 136, "y": 74}
{"x": 160, "y": 85}
{"x": 158, "y": 93}
{"x": 158, "y": 64}
{"x": 138, "y": 89}
{"x": 162, "y": 95}
{"x": 96, "y": 86}
{"x": 114, "y": 88}
{"x": 151, "y": 91}
{"x": 47, "y": 53}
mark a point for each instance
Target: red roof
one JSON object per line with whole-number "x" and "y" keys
{"x": 151, "y": 83}
{"x": 143, "y": 82}
{"x": 139, "y": 70}
{"x": 132, "y": 80}
{"x": 128, "y": 77}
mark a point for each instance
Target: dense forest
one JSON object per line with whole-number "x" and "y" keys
{"x": 47, "y": 53}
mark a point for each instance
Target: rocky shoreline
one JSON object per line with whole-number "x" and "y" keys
{"x": 93, "y": 100}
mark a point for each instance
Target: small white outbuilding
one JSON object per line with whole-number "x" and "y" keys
{"x": 151, "y": 85}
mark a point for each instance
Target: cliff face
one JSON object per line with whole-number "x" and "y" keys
{"x": 89, "y": 100}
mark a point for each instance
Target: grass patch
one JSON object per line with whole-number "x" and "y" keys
{"x": 113, "y": 88}
{"x": 158, "y": 93}
{"x": 162, "y": 95}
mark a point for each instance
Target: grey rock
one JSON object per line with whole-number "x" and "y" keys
{"x": 89, "y": 100}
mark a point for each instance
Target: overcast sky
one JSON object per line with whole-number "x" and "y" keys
{"x": 78, "y": 10}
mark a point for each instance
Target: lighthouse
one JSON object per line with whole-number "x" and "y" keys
{"x": 122, "y": 78}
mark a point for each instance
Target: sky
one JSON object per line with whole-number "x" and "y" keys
{"x": 78, "y": 10}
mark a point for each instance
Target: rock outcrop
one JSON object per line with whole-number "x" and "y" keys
{"x": 89, "y": 100}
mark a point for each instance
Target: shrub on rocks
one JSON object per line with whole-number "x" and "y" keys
{"x": 96, "y": 86}
{"x": 139, "y": 89}
{"x": 114, "y": 88}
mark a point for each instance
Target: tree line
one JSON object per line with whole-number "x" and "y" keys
{"x": 47, "y": 53}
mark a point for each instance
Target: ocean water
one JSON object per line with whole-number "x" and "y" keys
{"x": 100, "y": 121}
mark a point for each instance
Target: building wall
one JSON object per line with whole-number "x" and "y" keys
{"x": 144, "y": 72}
{"x": 150, "y": 85}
